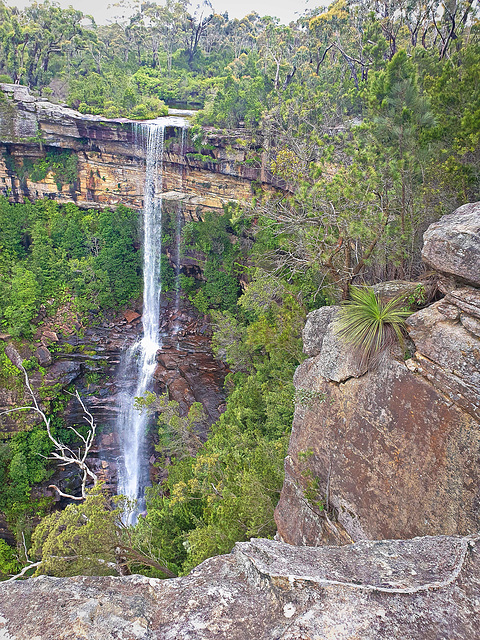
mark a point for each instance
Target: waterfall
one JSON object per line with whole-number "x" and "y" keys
{"x": 178, "y": 237}
{"x": 138, "y": 362}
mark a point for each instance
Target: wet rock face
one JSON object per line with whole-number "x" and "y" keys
{"x": 90, "y": 356}
{"x": 392, "y": 452}
{"x": 422, "y": 589}
{"x": 186, "y": 367}
{"x": 86, "y": 357}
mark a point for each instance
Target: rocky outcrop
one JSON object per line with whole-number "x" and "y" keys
{"x": 382, "y": 455}
{"x": 452, "y": 247}
{"x": 319, "y": 339}
{"x": 392, "y": 452}
{"x": 111, "y": 167}
{"x": 447, "y": 341}
{"x": 422, "y": 589}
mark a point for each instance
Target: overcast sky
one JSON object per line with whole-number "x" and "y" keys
{"x": 286, "y": 10}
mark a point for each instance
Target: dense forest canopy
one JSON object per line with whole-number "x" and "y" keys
{"x": 369, "y": 114}
{"x": 379, "y": 96}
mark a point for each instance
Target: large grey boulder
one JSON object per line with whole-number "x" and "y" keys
{"x": 452, "y": 245}
{"x": 447, "y": 342}
{"x": 315, "y": 329}
{"x": 422, "y": 589}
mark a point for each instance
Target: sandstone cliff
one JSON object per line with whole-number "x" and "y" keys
{"x": 393, "y": 452}
{"x": 110, "y": 165}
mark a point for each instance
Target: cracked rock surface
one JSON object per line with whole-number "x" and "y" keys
{"x": 423, "y": 589}
{"x": 452, "y": 245}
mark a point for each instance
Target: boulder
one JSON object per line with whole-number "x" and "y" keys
{"x": 48, "y": 337}
{"x": 315, "y": 329}
{"x": 131, "y": 315}
{"x": 448, "y": 348}
{"x": 422, "y": 589}
{"x": 401, "y": 289}
{"x": 466, "y": 300}
{"x": 43, "y": 355}
{"x": 13, "y": 355}
{"x": 62, "y": 372}
{"x": 391, "y": 453}
{"x": 452, "y": 246}
{"x": 470, "y": 324}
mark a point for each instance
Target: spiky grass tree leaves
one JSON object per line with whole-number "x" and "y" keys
{"x": 370, "y": 325}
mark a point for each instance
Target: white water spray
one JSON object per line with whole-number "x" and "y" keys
{"x": 139, "y": 363}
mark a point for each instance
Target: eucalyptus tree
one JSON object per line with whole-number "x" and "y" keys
{"x": 241, "y": 35}
{"x": 337, "y": 39}
{"x": 32, "y": 38}
{"x": 432, "y": 23}
{"x": 277, "y": 47}
{"x": 451, "y": 22}
{"x": 194, "y": 28}
{"x": 165, "y": 27}
{"x": 13, "y": 43}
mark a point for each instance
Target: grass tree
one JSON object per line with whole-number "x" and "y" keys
{"x": 370, "y": 325}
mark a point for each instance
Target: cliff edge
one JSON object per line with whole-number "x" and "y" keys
{"x": 422, "y": 589}
{"x": 110, "y": 166}
{"x": 393, "y": 452}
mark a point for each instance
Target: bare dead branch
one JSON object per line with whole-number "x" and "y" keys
{"x": 323, "y": 57}
{"x": 65, "y": 495}
{"x": 63, "y": 453}
{"x": 21, "y": 573}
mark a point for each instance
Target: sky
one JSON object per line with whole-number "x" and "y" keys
{"x": 286, "y": 10}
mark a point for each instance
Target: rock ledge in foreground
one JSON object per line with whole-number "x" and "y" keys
{"x": 423, "y": 589}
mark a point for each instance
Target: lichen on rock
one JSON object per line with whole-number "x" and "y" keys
{"x": 421, "y": 589}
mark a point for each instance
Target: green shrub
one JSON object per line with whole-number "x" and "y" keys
{"x": 9, "y": 563}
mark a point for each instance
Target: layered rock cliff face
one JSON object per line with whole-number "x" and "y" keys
{"x": 110, "y": 165}
{"x": 422, "y": 589}
{"x": 393, "y": 452}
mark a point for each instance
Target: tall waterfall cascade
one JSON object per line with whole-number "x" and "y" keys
{"x": 138, "y": 362}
